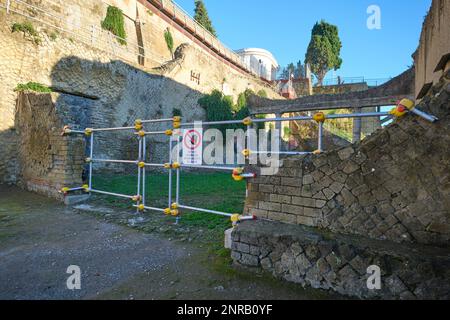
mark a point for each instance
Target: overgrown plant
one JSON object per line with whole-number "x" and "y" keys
{"x": 169, "y": 41}
{"x": 32, "y": 86}
{"x": 28, "y": 29}
{"x": 114, "y": 22}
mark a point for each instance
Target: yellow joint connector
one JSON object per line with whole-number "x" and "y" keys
{"x": 141, "y": 164}
{"x": 247, "y": 121}
{"x": 174, "y": 213}
{"x": 408, "y": 104}
{"x": 85, "y": 187}
{"x": 66, "y": 130}
{"x": 317, "y": 152}
{"x": 169, "y": 132}
{"x": 65, "y": 190}
{"x": 319, "y": 117}
{"x": 136, "y": 198}
{"x": 176, "y": 119}
{"x": 167, "y": 211}
{"x": 176, "y": 165}
{"x": 141, "y": 133}
{"x": 246, "y": 153}
{"x": 88, "y": 160}
{"x": 176, "y": 125}
{"x": 138, "y": 127}
{"x": 88, "y": 131}
{"x": 138, "y": 122}
{"x": 167, "y": 166}
{"x": 237, "y": 174}
{"x": 141, "y": 207}
{"x": 174, "y": 206}
{"x": 235, "y": 218}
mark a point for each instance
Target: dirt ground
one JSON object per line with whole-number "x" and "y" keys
{"x": 40, "y": 238}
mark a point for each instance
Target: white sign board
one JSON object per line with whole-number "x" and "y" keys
{"x": 193, "y": 146}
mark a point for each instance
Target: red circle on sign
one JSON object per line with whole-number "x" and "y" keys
{"x": 190, "y": 141}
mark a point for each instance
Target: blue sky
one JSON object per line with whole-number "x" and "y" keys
{"x": 284, "y": 28}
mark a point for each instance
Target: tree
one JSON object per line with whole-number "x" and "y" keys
{"x": 201, "y": 16}
{"x": 169, "y": 41}
{"x": 324, "y": 50}
{"x": 297, "y": 71}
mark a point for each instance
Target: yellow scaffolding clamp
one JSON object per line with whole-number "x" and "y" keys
{"x": 88, "y": 132}
{"x": 138, "y": 125}
{"x": 319, "y": 117}
{"x": 405, "y": 106}
{"x": 66, "y": 130}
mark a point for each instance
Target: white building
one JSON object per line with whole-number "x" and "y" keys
{"x": 261, "y": 62}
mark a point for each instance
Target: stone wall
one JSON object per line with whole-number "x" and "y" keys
{"x": 104, "y": 89}
{"x": 47, "y": 161}
{"x": 340, "y": 88}
{"x": 330, "y": 261}
{"x": 394, "y": 185}
{"x": 434, "y": 44}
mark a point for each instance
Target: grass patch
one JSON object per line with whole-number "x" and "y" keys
{"x": 32, "y": 86}
{"x": 215, "y": 191}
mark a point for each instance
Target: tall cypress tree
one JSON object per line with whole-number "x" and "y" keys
{"x": 201, "y": 16}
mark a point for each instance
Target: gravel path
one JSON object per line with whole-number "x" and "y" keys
{"x": 40, "y": 238}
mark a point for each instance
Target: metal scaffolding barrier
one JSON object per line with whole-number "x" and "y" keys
{"x": 175, "y": 165}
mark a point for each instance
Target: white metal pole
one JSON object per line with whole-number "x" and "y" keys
{"x": 139, "y": 172}
{"x": 8, "y": 4}
{"x": 178, "y": 172}
{"x": 144, "y": 156}
{"x": 320, "y": 148}
{"x": 170, "y": 172}
{"x": 91, "y": 155}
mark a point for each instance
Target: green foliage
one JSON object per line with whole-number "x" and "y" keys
{"x": 262, "y": 93}
{"x": 28, "y": 29}
{"x": 298, "y": 71}
{"x": 324, "y": 50}
{"x": 221, "y": 108}
{"x": 169, "y": 41}
{"x": 114, "y": 22}
{"x": 201, "y": 16}
{"x": 177, "y": 112}
{"x": 32, "y": 86}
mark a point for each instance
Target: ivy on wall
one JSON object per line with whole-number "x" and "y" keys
{"x": 114, "y": 22}
{"x": 169, "y": 41}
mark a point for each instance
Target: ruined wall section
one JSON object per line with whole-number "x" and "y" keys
{"x": 47, "y": 161}
{"x": 434, "y": 44}
{"x": 394, "y": 185}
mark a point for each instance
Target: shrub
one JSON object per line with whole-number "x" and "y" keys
{"x": 32, "y": 86}
{"x": 169, "y": 41}
{"x": 28, "y": 29}
{"x": 114, "y": 22}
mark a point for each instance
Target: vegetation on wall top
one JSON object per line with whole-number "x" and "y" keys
{"x": 32, "y": 86}
{"x": 114, "y": 22}
{"x": 28, "y": 29}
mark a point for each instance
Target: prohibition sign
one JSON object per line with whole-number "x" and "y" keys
{"x": 192, "y": 139}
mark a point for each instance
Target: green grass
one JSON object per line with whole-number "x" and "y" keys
{"x": 215, "y": 191}
{"x": 32, "y": 86}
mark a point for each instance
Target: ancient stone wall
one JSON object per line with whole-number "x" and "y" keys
{"x": 107, "y": 89}
{"x": 330, "y": 261}
{"x": 47, "y": 161}
{"x": 393, "y": 185}
{"x": 434, "y": 44}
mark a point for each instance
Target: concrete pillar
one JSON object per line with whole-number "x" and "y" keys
{"x": 357, "y": 126}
